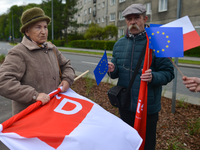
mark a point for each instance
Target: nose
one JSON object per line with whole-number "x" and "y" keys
{"x": 132, "y": 21}
{"x": 43, "y": 30}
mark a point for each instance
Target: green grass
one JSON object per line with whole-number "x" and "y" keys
{"x": 89, "y": 84}
{"x": 194, "y": 126}
{"x": 173, "y": 144}
{"x": 188, "y": 61}
{"x": 85, "y": 52}
{"x": 2, "y": 57}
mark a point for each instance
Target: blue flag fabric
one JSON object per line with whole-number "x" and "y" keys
{"x": 166, "y": 41}
{"x": 101, "y": 69}
{"x": 155, "y": 25}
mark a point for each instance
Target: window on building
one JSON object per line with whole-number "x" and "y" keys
{"x": 103, "y": 4}
{"x": 148, "y": 8}
{"x": 120, "y": 1}
{"x": 112, "y": 17}
{"x": 98, "y": 20}
{"x": 120, "y": 32}
{"x": 120, "y": 16}
{"x": 85, "y": 22}
{"x": 89, "y": 0}
{"x": 85, "y": 12}
{"x": 112, "y": 2}
{"x": 89, "y": 21}
{"x": 99, "y": 6}
{"x": 103, "y": 19}
{"x": 89, "y": 10}
{"x": 162, "y": 5}
{"x": 85, "y": 1}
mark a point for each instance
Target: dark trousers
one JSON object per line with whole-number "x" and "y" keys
{"x": 129, "y": 118}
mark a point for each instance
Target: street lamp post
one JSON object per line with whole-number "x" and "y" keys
{"x": 176, "y": 62}
{"x": 52, "y": 20}
{"x": 12, "y": 27}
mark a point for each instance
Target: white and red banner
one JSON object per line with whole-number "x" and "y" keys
{"x": 190, "y": 36}
{"x": 69, "y": 121}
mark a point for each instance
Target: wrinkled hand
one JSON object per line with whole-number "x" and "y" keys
{"x": 147, "y": 76}
{"x": 44, "y": 98}
{"x": 111, "y": 67}
{"x": 192, "y": 83}
{"x": 65, "y": 85}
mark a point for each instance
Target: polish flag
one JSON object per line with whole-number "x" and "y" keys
{"x": 191, "y": 38}
{"x": 68, "y": 122}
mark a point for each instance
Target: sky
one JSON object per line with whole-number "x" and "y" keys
{"x": 6, "y": 4}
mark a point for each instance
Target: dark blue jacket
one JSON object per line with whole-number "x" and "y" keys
{"x": 126, "y": 53}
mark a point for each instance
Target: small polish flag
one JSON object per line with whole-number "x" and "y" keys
{"x": 191, "y": 38}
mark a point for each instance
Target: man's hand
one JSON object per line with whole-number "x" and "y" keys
{"x": 111, "y": 67}
{"x": 192, "y": 83}
{"x": 147, "y": 76}
{"x": 65, "y": 85}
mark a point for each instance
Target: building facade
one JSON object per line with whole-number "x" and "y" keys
{"x": 106, "y": 12}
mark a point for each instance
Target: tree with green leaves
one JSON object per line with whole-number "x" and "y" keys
{"x": 110, "y": 30}
{"x": 96, "y": 32}
{"x": 10, "y": 22}
{"x": 63, "y": 12}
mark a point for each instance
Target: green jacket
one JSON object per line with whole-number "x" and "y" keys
{"x": 126, "y": 53}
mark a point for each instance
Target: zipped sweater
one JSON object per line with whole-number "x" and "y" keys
{"x": 126, "y": 53}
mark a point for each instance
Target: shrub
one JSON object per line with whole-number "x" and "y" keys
{"x": 93, "y": 44}
{"x": 72, "y": 37}
{"x": 59, "y": 42}
{"x": 195, "y": 52}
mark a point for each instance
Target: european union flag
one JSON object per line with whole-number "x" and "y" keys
{"x": 166, "y": 41}
{"x": 155, "y": 25}
{"x": 101, "y": 69}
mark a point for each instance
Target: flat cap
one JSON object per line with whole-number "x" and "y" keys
{"x": 134, "y": 9}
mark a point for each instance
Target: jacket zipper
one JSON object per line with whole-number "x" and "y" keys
{"x": 131, "y": 71}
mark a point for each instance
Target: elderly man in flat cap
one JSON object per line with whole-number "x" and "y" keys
{"x": 126, "y": 53}
{"x": 31, "y": 68}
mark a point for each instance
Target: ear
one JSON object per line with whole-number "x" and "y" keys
{"x": 26, "y": 32}
{"x": 145, "y": 19}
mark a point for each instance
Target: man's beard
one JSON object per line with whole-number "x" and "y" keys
{"x": 134, "y": 26}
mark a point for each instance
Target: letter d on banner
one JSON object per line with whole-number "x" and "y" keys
{"x": 66, "y": 112}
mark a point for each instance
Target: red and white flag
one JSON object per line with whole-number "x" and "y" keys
{"x": 69, "y": 121}
{"x": 141, "y": 112}
{"x": 191, "y": 38}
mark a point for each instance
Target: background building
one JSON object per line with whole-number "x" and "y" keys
{"x": 105, "y": 12}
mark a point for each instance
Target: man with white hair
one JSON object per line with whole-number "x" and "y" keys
{"x": 126, "y": 53}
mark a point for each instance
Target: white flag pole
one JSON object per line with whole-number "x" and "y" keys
{"x": 81, "y": 75}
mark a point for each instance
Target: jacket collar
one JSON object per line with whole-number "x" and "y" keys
{"x": 32, "y": 46}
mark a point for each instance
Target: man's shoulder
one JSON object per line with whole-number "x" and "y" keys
{"x": 122, "y": 41}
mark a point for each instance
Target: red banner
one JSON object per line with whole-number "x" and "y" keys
{"x": 141, "y": 112}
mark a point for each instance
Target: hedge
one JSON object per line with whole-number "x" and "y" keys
{"x": 92, "y": 44}
{"x": 195, "y": 52}
{"x": 59, "y": 42}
